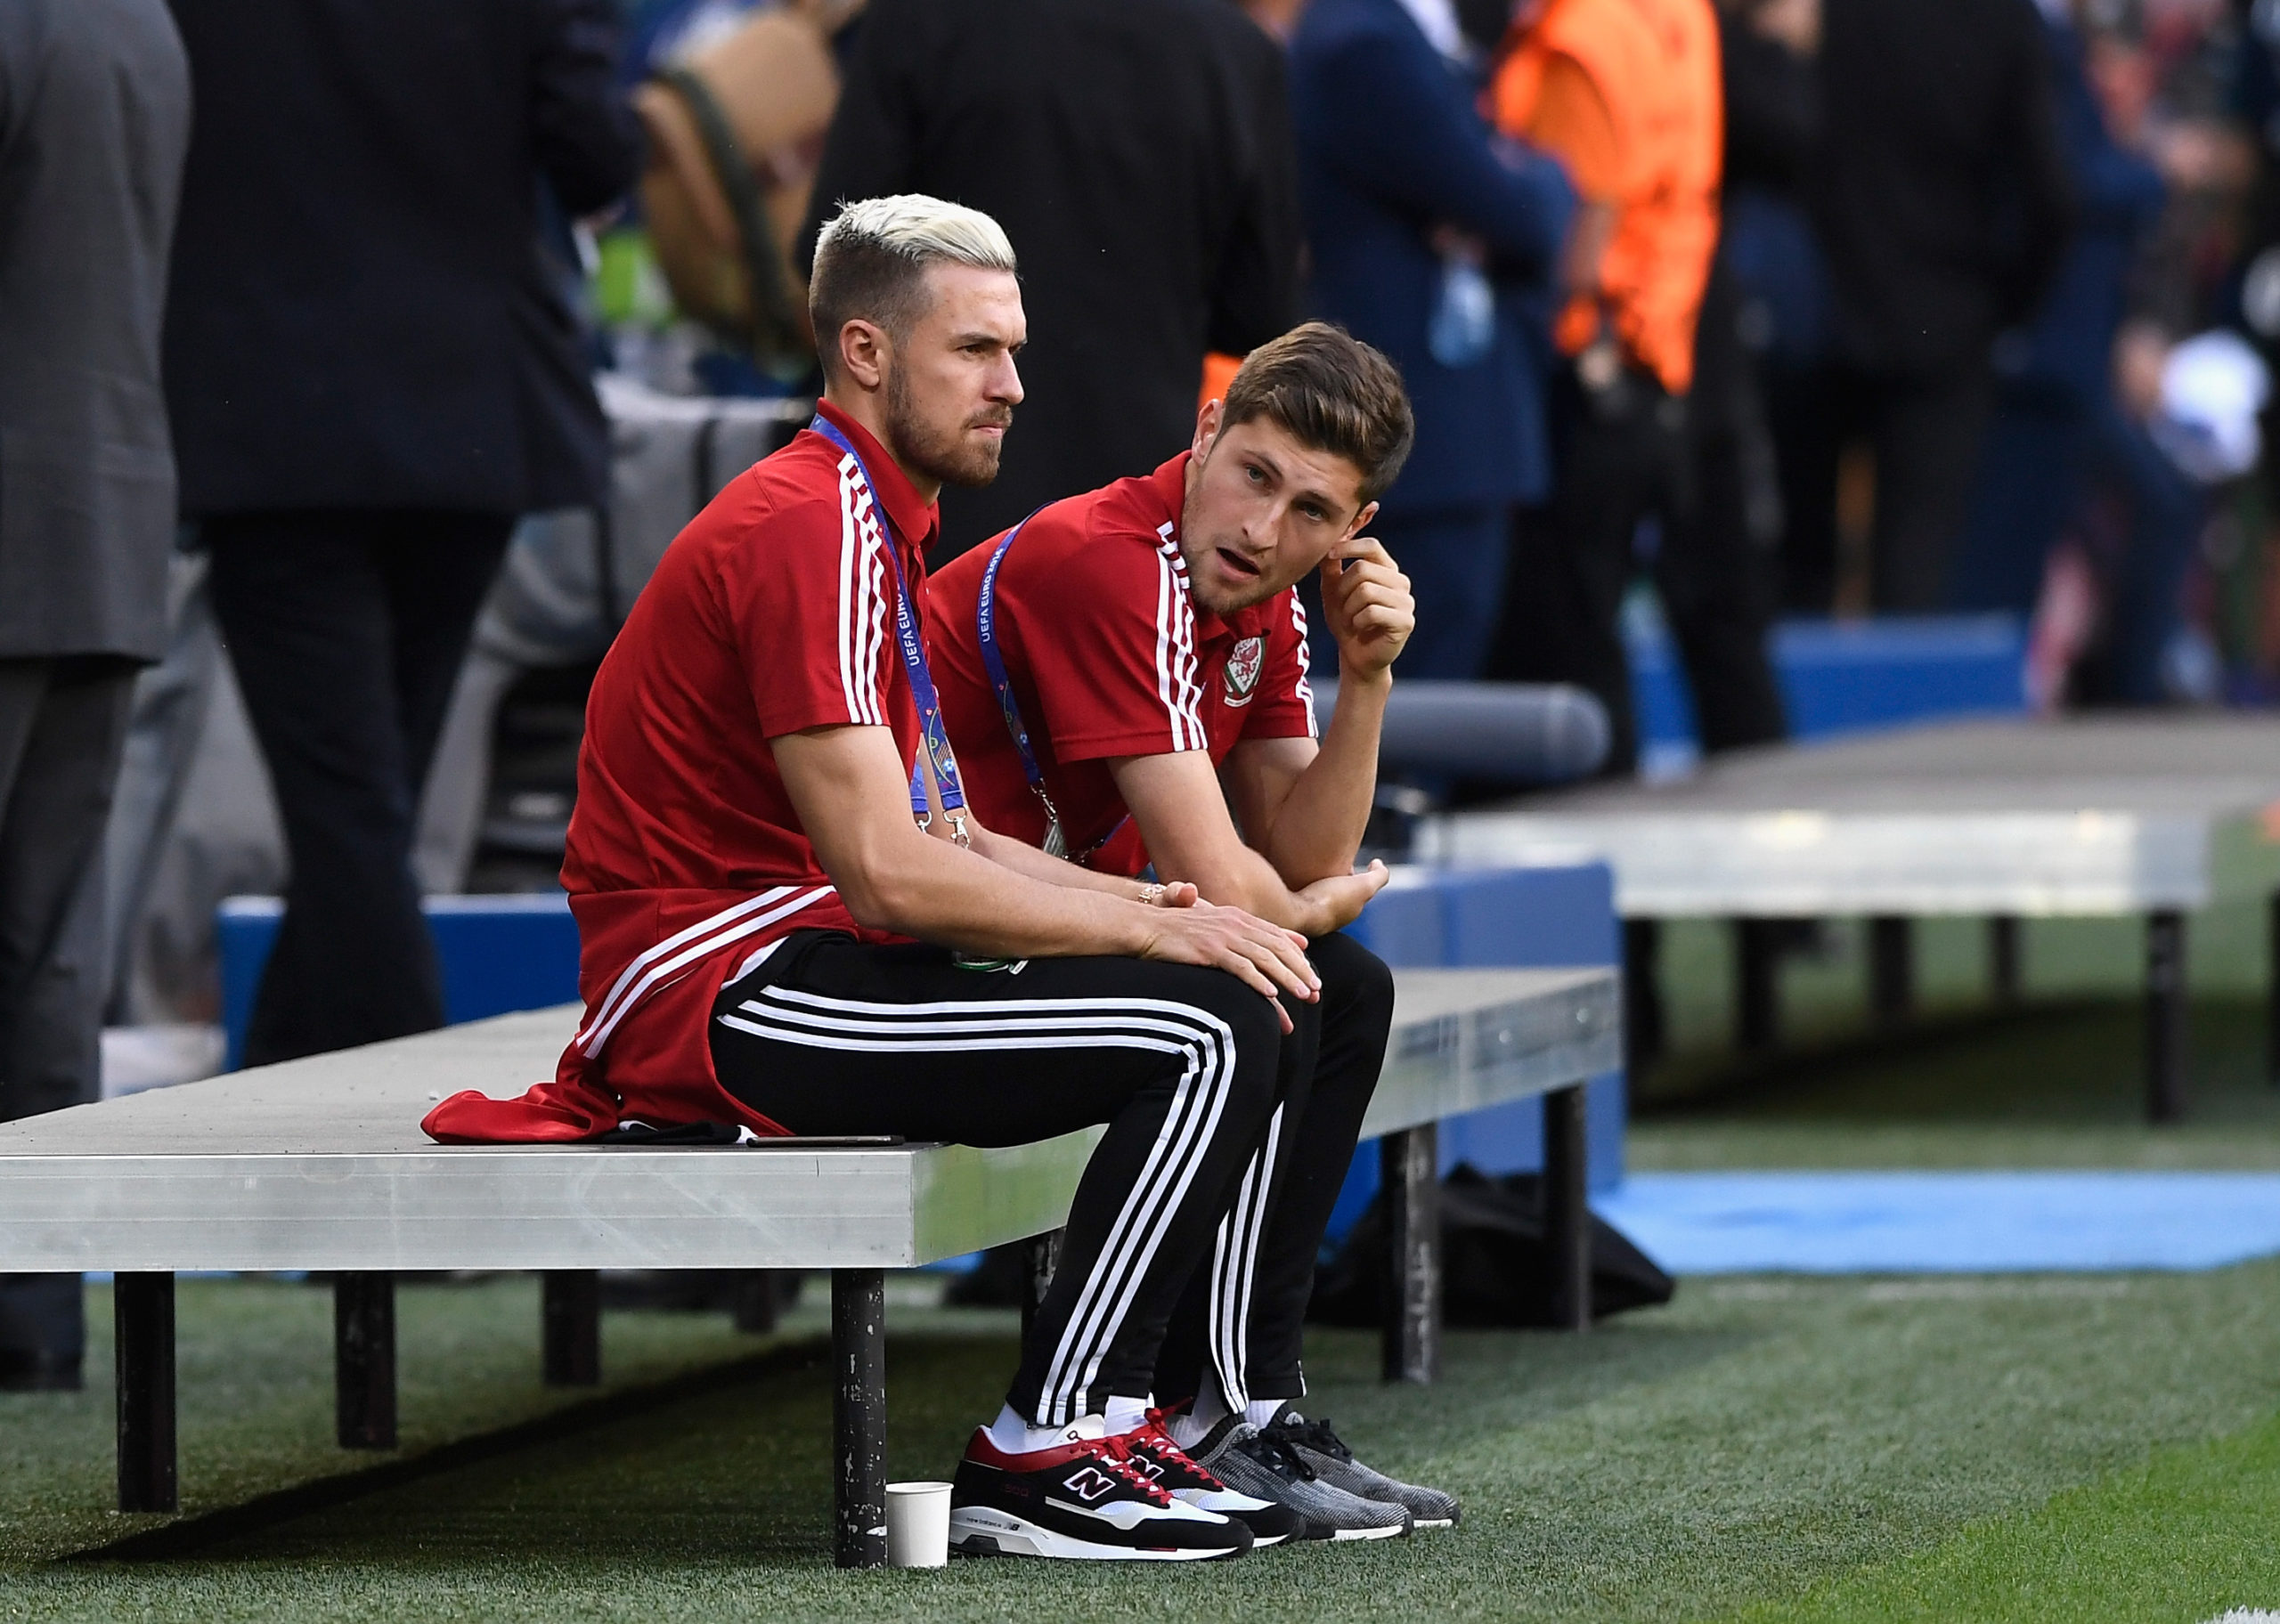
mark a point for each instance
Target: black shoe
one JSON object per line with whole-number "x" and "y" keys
{"x": 1084, "y": 1501}
{"x": 1250, "y": 1462}
{"x": 1159, "y": 1456}
{"x": 1314, "y": 1443}
{"x": 39, "y": 1370}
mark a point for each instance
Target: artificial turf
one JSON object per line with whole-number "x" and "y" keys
{"x": 1827, "y": 1447}
{"x": 1770, "y": 1450}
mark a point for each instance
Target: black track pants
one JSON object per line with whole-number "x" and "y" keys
{"x": 1245, "y": 1307}
{"x": 1184, "y": 1065}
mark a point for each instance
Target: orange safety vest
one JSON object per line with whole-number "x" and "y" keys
{"x": 1655, "y": 65}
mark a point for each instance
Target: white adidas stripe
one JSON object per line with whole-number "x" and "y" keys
{"x": 597, "y": 1034}
{"x": 1236, "y": 1270}
{"x": 1136, "y": 1235}
{"x": 862, "y": 596}
{"x": 726, "y": 916}
{"x": 1305, "y": 690}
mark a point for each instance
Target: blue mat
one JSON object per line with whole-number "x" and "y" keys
{"x": 1945, "y": 1223}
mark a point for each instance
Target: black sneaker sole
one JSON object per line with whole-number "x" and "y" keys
{"x": 985, "y": 1531}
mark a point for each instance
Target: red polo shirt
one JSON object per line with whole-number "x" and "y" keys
{"x": 1108, "y": 656}
{"x": 773, "y": 612}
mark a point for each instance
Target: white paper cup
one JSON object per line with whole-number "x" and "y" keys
{"x": 918, "y": 1525}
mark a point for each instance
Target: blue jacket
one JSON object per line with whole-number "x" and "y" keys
{"x": 2068, "y": 356}
{"x": 1390, "y": 145}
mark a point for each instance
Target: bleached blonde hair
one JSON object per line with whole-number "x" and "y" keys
{"x": 872, "y": 256}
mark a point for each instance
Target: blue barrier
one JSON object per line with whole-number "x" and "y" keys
{"x": 1841, "y": 676}
{"x": 1543, "y": 917}
{"x": 497, "y": 953}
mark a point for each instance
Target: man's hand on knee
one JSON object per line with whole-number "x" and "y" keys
{"x": 1266, "y": 957}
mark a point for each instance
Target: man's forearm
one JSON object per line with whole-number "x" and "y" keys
{"x": 975, "y": 901}
{"x": 1027, "y": 860}
{"x": 1318, "y": 829}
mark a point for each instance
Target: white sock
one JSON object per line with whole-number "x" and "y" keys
{"x": 1261, "y": 1412}
{"x": 1206, "y": 1412}
{"x": 1012, "y": 1431}
{"x": 1125, "y": 1415}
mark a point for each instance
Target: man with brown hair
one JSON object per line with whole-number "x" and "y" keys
{"x": 1106, "y": 667}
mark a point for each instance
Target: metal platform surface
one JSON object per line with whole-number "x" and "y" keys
{"x": 320, "y": 1163}
{"x": 2091, "y": 816}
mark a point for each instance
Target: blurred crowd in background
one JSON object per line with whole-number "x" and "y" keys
{"x": 356, "y": 361}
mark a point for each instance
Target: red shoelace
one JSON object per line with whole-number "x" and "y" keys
{"x": 1158, "y": 1432}
{"x": 1115, "y": 1455}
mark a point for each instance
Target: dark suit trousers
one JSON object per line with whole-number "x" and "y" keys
{"x": 1574, "y": 560}
{"x": 346, "y": 630}
{"x": 1925, "y": 436}
{"x": 63, "y": 722}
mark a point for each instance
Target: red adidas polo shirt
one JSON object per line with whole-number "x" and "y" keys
{"x": 1109, "y": 656}
{"x": 773, "y": 612}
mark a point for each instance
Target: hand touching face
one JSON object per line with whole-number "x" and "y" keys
{"x": 1366, "y": 600}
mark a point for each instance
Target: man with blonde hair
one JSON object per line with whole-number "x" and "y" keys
{"x": 790, "y": 922}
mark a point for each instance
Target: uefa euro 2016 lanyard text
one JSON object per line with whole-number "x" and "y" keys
{"x": 935, "y": 738}
{"x": 985, "y": 627}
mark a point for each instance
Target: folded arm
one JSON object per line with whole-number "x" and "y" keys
{"x": 848, "y": 785}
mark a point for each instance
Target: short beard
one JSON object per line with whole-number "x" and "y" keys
{"x": 948, "y": 455}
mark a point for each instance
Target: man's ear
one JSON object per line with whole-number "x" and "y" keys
{"x": 1361, "y": 521}
{"x": 865, "y": 351}
{"x": 1207, "y": 429}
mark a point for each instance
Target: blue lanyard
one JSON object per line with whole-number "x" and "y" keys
{"x": 936, "y": 738}
{"x": 985, "y": 627}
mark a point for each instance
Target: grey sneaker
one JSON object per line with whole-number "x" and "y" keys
{"x": 1332, "y": 1463}
{"x": 1242, "y": 1457}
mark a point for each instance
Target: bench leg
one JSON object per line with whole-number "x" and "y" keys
{"x": 1042, "y": 1254}
{"x": 1757, "y": 983}
{"x": 1642, "y": 994}
{"x": 757, "y": 1299}
{"x": 143, "y": 1315}
{"x": 1567, "y": 1207}
{"x": 364, "y": 1349}
{"x": 570, "y": 1318}
{"x": 2005, "y": 958}
{"x": 1892, "y": 969}
{"x": 1410, "y": 1168}
{"x": 2165, "y": 1011}
{"x": 859, "y": 1417}
{"x": 2272, "y": 1000}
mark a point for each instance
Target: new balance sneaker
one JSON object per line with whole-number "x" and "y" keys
{"x": 1158, "y": 1457}
{"x": 1084, "y": 1501}
{"x": 1248, "y": 1462}
{"x": 1314, "y": 1442}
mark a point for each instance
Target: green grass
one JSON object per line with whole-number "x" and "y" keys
{"x": 2187, "y": 1536}
{"x": 1764, "y": 1450}
{"x": 1761, "y": 1443}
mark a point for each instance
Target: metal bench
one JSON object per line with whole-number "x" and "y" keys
{"x": 320, "y": 1165}
{"x": 2108, "y": 816}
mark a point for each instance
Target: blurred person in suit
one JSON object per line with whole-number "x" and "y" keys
{"x": 2079, "y": 383}
{"x": 1436, "y": 241}
{"x": 1940, "y": 198}
{"x": 1137, "y": 153}
{"x": 94, "y": 116}
{"x": 372, "y": 372}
